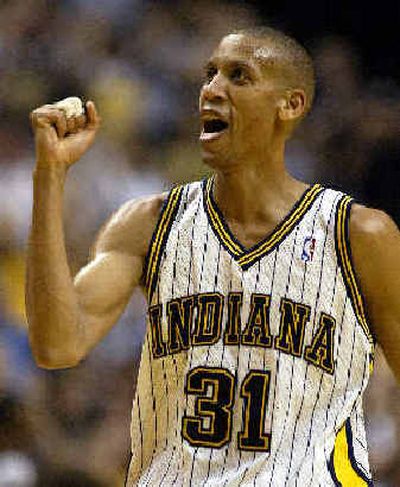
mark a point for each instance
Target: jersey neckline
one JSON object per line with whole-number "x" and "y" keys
{"x": 246, "y": 257}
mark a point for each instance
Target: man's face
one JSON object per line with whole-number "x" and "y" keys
{"x": 239, "y": 101}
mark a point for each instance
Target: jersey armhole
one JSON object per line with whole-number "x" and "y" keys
{"x": 159, "y": 239}
{"x": 343, "y": 251}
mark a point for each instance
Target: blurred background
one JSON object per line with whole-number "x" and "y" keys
{"x": 141, "y": 62}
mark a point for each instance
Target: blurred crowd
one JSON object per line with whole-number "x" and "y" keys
{"x": 142, "y": 64}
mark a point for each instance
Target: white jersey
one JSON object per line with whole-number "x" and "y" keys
{"x": 255, "y": 360}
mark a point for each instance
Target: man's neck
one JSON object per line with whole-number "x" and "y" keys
{"x": 256, "y": 192}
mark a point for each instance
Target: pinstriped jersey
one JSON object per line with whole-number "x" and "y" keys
{"x": 255, "y": 360}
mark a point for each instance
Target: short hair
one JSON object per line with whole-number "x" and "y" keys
{"x": 297, "y": 61}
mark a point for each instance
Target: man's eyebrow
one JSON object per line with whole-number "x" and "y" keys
{"x": 212, "y": 63}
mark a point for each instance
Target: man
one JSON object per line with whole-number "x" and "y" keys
{"x": 258, "y": 347}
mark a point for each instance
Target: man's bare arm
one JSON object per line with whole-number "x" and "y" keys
{"x": 105, "y": 285}
{"x": 375, "y": 243}
{"x": 67, "y": 316}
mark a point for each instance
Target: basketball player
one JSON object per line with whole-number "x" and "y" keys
{"x": 259, "y": 342}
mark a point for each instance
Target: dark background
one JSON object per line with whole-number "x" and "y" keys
{"x": 372, "y": 27}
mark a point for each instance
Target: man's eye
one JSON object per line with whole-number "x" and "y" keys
{"x": 239, "y": 75}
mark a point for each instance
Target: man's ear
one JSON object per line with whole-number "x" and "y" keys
{"x": 293, "y": 105}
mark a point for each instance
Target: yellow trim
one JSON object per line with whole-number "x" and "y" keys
{"x": 160, "y": 234}
{"x": 285, "y": 228}
{"x": 371, "y": 364}
{"x": 229, "y": 242}
{"x": 247, "y": 257}
{"x": 347, "y": 267}
{"x": 343, "y": 468}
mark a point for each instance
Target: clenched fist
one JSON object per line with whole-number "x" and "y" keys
{"x": 63, "y": 131}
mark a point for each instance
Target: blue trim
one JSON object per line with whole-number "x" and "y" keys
{"x": 353, "y": 461}
{"x": 331, "y": 469}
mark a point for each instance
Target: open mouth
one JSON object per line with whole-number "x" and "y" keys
{"x": 214, "y": 126}
{"x": 213, "y": 129}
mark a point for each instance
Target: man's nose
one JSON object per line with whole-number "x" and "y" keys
{"x": 215, "y": 89}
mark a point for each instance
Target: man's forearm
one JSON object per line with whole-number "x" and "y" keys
{"x": 51, "y": 301}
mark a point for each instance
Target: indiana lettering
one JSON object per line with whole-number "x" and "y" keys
{"x": 197, "y": 321}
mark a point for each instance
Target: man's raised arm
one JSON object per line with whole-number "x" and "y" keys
{"x": 67, "y": 316}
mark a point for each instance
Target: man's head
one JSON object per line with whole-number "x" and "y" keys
{"x": 259, "y": 84}
{"x": 290, "y": 57}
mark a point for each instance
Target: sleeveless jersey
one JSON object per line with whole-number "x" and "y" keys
{"x": 255, "y": 360}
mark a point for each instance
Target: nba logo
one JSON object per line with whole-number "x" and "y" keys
{"x": 308, "y": 249}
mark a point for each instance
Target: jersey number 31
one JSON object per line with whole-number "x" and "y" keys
{"x": 211, "y": 426}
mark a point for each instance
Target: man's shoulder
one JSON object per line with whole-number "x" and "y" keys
{"x": 129, "y": 229}
{"x": 147, "y": 207}
{"x": 374, "y": 238}
{"x": 370, "y": 223}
